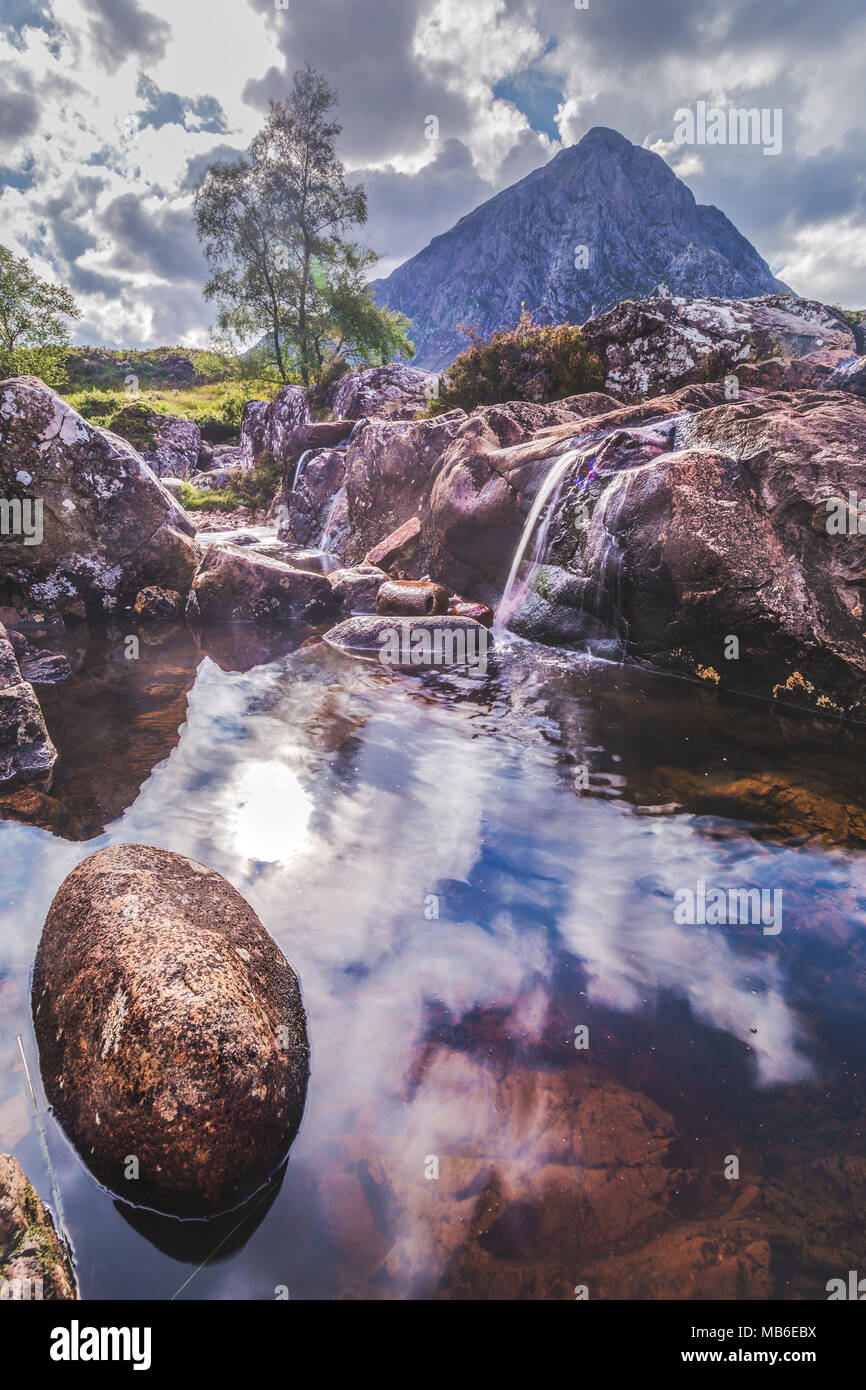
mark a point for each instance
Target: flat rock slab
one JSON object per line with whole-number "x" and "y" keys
{"x": 241, "y": 585}
{"x": 413, "y": 643}
{"x": 171, "y": 1031}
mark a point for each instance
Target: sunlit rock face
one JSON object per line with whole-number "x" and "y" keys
{"x": 605, "y": 220}
{"x": 170, "y": 1028}
{"x": 101, "y": 525}
{"x": 395, "y": 390}
{"x": 650, "y": 346}
{"x": 266, "y": 426}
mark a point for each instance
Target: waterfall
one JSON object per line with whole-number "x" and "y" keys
{"x": 301, "y": 465}
{"x": 548, "y": 496}
{"x": 603, "y": 557}
{"x": 332, "y": 512}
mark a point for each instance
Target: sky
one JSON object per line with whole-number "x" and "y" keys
{"x": 110, "y": 110}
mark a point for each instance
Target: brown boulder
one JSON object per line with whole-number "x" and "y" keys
{"x": 158, "y": 605}
{"x": 238, "y": 585}
{"x": 411, "y": 598}
{"x": 172, "y": 1037}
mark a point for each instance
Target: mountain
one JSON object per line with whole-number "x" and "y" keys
{"x": 639, "y": 223}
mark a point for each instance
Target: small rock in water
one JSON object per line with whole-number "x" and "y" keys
{"x": 439, "y": 641}
{"x": 158, "y": 605}
{"x": 172, "y": 1036}
{"x": 357, "y": 589}
{"x": 45, "y": 668}
{"x": 34, "y": 1262}
{"x": 240, "y": 585}
{"x": 412, "y": 598}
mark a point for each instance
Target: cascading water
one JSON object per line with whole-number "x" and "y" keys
{"x": 301, "y": 465}
{"x": 548, "y": 497}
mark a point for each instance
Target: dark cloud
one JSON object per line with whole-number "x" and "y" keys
{"x": 406, "y": 210}
{"x": 365, "y": 50}
{"x": 20, "y": 110}
{"x": 163, "y": 241}
{"x": 167, "y": 108}
{"x": 197, "y": 167}
{"x": 120, "y": 29}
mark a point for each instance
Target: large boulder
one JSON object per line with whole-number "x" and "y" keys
{"x": 267, "y": 425}
{"x": 171, "y": 1033}
{"x": 713, "y": 546}
{"x": 235, "y": 584}
{"x": 34, "y": 1262}
{"x": 649, "y": 346}
{"x": 441, "y": 641}
{"x": 26, "y": 751}
{"x": 108, "y": 527}
{"x": 395, "y": 390}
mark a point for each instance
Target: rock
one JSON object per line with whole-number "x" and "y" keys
{"x": 411, "y": 598}
{"x": 235, "y": 585}
{"x": 205, "y": 457}
{"x": 395, "y": 390}
{"x": 621, "y": 205}
{"x": 478, "y": 611}
{"x": 168, "y": 443}
{"x": 34, "y": 1262}
{"x": 215, "y": 480}
{"x": 649, "y": 346}
{"x": 356, "y": 589}
{"x": 170, "y": 1030}
{"x": 267, "y": 425}
{"x": 308, "y": 501}
{"x": 394, "y": 545}
{"x": 439, "y": 641}
{"x": 173, "y": 486}
{"x": 109, "y": 527}
{"x": 45, "y": 668}
{"x": 26, "y": 751}
{"x": 158, "y": 605}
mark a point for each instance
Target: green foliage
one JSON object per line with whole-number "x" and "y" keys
{"x": 856, "y": 321}
{"x": 34, "y": 332}
{"x": 530, "y": 362}
{"x": 274, "y": 227}
{"x": 154, "y": 369}
{"x": 134, "y": 421}
{"x": 254, "y": 488}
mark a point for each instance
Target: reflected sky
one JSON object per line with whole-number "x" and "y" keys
{"x": 454, "y": 908}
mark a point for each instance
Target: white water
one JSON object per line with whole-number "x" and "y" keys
{"x": 332, "y": 512}
{"x": 515, "y": 589}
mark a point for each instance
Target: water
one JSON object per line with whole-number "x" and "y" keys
{"x": 456, "y": 907}
{"x": 548, "y": 497}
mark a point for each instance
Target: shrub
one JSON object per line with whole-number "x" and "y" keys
{"x": 134, "y": 421}
{"x": 333, "y": 372}
{"x": 530, "y": 362}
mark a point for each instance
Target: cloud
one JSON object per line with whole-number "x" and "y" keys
{"x": 121, "y": 29}
{"x": 19, "y": 104}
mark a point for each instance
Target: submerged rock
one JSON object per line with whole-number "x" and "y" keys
{"x": 44, "y": 668}
{"x": 239, "y": 585}
{"x": 441, "y": 641}
{"x": 411, "y": 598}
{"x": 108, "y": 527}
{"x": 34, "y": 1262}
{"x": 26, "y": 751}
{"x": 171, "y": 1031}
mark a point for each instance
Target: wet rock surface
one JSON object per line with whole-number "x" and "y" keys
{"x": 34, "y": 1262}
{"x": 170, "y": 1029}
{"x": 26, "y": 751}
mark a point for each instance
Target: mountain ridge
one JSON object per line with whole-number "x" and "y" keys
{"x": 641, "y": 227}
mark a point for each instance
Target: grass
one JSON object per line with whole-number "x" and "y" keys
{"x": 214, "y": 406}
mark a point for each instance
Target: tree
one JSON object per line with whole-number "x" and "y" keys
{"x": 275, "y": 230}
{"x": 34, "y": 334}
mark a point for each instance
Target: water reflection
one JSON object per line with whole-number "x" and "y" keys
{"x": 456, "y": 907}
